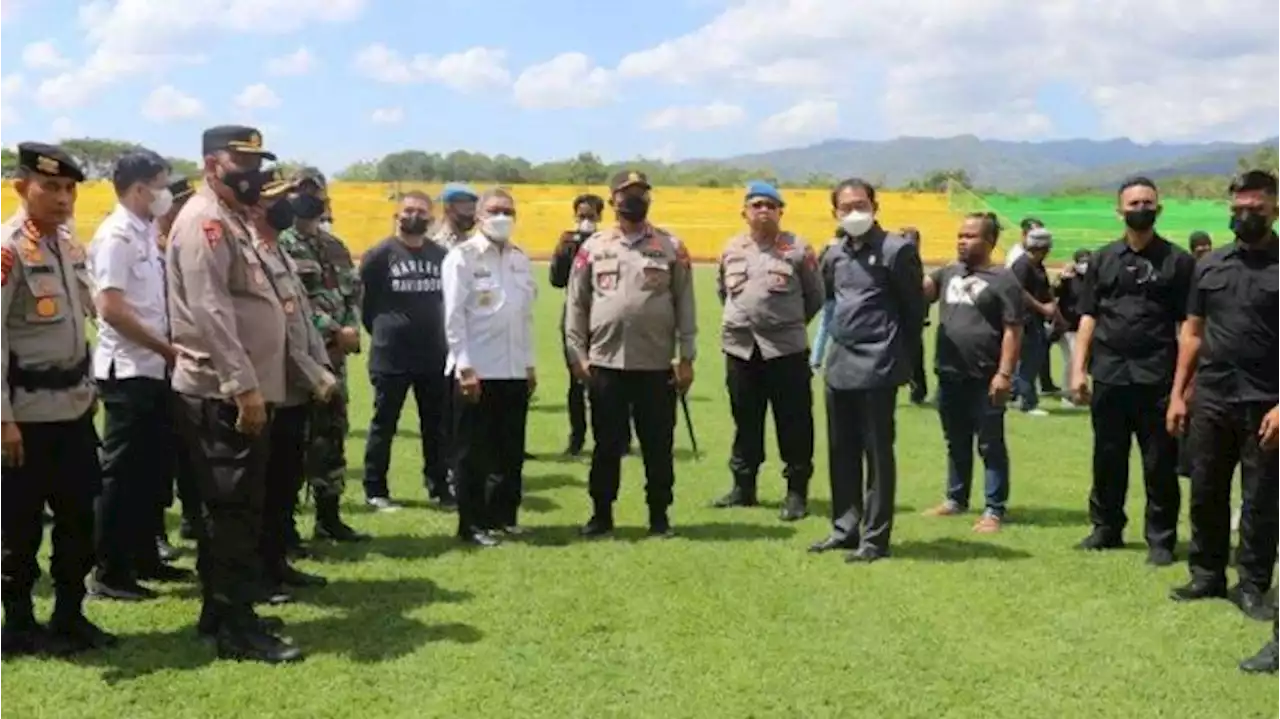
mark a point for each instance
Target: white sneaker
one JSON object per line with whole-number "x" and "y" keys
{"x": 382, "y": 504}
{"x": 1037, "y": 412}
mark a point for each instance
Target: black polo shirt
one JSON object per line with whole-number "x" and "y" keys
{"x": 1137, "y": 299}
{"x": 1234, "y": 290}
{"x": 974, "y": 307}
{"x": 1033, "y": 278}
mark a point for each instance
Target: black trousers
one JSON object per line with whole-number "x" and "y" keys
{"x": 1120, "y": 413}
{"x": 284, "y": 478}
{"x": 181, "y": 475}
{"x": 490, "y": 445}
{"x": 60, "y": 468}
{"x": 1222, "y": 435}
{"x": 136, "y": 468}
{"x": 576, "y": 399}
{"x": 861, "y": 425}
{"x": 230, "y": 470}
{"x": 919, "y": 379}
{"x": 783, "y": 383}
{"x": 431, "y": 394}
{"x": 617, "y": 397}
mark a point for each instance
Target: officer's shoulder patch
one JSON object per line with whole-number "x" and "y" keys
{"x": 213, "y": 231}
{"x": 682, "y": 252}
{"x": 7, "y": 259}
{"x": 809, "y": 260}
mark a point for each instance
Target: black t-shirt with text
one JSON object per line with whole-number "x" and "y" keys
{"x": 403, "y": 308}
{"x": 1033, "y": 278}
{"x": 974, "y": 307}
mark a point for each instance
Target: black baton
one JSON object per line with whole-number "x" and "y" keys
{"x": 688, "y": 423}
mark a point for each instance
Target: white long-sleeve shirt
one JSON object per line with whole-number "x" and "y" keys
{"x": 125, "y": 256}
{"x": 489, "y": 293}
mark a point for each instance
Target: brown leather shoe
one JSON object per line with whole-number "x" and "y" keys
{"x": 987, "y": 524}
{"x": 946, "y": 509}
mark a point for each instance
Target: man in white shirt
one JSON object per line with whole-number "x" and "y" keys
{"x": 131, "y": 365}
{"x": 489, "y": 293}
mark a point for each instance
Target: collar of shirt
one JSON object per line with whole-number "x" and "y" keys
{"x": 1126, "y": 248}
{"x": 1271, "y": 248}
{"x": 854, "y": 245}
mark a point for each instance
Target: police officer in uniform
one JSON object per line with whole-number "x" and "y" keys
{"x": 50, "y": 446}
{"x": 1133, "y": 297}
{"x": 231, "y": 326}
{"x": 769, "y": 285}
{"x": 332, "y": 285}
{"x": 308, "y": 379}
{"x": 1229, "y": 348}
{"x": 631, "y": 312}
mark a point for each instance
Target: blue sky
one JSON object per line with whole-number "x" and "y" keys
{"x": 333, "y": 81}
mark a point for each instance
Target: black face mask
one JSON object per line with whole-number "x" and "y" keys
{"x": 1250, "y": 227}
{"x": 308, "y": 207}
{"x": 633, "y": 208}
{"x": 464, "y": 223}
{"x": 246, "y": 185}
{"x": 1140, "y": 220}
{"x": 413, "y": 225}
{"x": 280, "y": 215}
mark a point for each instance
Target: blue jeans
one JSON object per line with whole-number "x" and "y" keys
{"x": 966, "y": 412}
{"x": 1034, "y": 353}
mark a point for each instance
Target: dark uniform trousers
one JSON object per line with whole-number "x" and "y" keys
{"x": 861, "y": 424}
{"x": 182, "y": 474}
{"x": 1120, "y": 412}
{"x": 136, "y": 469}
{"x": 490, "y": 450}
{"x": 754, "y": 385}
{"x": 284, "y": 478}
{"x": 618, "y": 397}
{"x": 60, "y": 468}
{"x": 430, "y": 393}
{"x": 230, "y": 470}
{"x": 1222, "y": 435}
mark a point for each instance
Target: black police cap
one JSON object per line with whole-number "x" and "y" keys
{"x": 48, "y": 160}
{"x": 628, "y": 178}
{"x": 181, "y": 188}
{"x": 236, "y": 138}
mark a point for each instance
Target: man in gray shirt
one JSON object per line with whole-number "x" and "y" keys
{"x": 874, "y": 278}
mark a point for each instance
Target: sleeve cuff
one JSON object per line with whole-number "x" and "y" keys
{"x": 238, "y": 383}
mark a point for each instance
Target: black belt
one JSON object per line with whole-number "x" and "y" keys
{"x": 31, "y": 380}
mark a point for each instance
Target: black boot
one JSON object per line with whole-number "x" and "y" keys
{"x": 70, "y": 632}
{"x": 164, "y": 550}
{"x": 659, "y": 524}
{"x": 1267, "y": 659}
{"x": 329, "y": 524}
{"x": 743, "y": 493}
{"x": 601, "y": 522}
{"x": 22, "y": 634}
{"x": 242, "y": 635}
{"x": 794, "y": 508}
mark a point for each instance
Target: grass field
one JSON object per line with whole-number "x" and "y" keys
{"x": 731, "y": 619}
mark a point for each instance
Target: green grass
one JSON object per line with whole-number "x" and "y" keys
{"x": 732, "y": 619}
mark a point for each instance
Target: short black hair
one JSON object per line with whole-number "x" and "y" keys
{"x": 911, "y": 234}
{"x": 990, "y": 225}
{"x": 136, "y": 166}
{"x": 1081, "y": 255}
{"x": 1199, "y": 238}
{"x": 594, "y": 201}
{"x": 1253, "y": 181}
{"x": 853, "y": 183}
{"x": 1137, "y": 181}
{"x": 1030, "y": 223}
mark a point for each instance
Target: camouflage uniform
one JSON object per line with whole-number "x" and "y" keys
{"x": 333, "y": 288}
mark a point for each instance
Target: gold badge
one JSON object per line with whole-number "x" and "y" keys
{"x": 255, "y": 140}
{"x": 485, "y": 299}
{"x": 633, "y": 177}
{"x": 47, "y": 165}
{"x": 46, "y": 307}
{"x": 288, "y": 307}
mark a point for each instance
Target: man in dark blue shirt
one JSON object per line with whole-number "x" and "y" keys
{"x": 403, "y": 309}
{"x": 874, "y": 278}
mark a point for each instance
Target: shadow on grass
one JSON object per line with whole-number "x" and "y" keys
{"x": 567, "y": 534}
{"x": 392, "y": 546}
{"x": 821, "y": 508}
{"x": 545, "y": 482}
{"x": 369, "y": 626}
{"x": 363, "y": 433}
{"x": 949, "y": 550}
{"x": 1050, "y": 517}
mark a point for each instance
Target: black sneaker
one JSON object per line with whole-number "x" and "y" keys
{"x": 121, "y": 591}
{"x": 1099, "y": 541}
{"x": 659, "y": 524}
{"x": 257, "y": 646}
{"x": 598, "y": 526}
{"x": 74, "y": 633}
{"x": 794, "y": 508}
{"x": 23, "y": 640}
{"x": 165, "y": 573}
{"x": 737, "y": 497}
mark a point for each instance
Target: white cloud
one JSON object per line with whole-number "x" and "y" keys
{"x": 665, "y": 153}
{"x": 134, "y": 37}
{"x": 43, "y": 55}
{"x": 166, "y": 103}
{"x": 298, "y": 62}
{"x": 387, "y": 116}
{"x": 473, "y": 69}
{"x": 701, "y": 117}
{"x": 63, "y": 128}
{"x": 11, "y": 86}
{"x": 1194, "y": 70}
{"x": 567, "y": 81}
{"x": 804, "y": 120}
{"x": 257, "y": 97}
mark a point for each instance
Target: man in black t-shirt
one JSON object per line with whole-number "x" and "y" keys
{"x": 979, "y": 336}
{"x": 403, "y": 309}
{"x": 1041, "y": 307}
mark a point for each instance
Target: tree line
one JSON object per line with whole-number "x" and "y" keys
{"x": 98, "y": 156}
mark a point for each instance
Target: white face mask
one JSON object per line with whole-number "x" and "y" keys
{"x": 856, "y": 223}
{"x": 326, "y": 227}
{"x": 161, "y": 202}
{"x": 497, "y": 227}
{"x": 587, "y": 227}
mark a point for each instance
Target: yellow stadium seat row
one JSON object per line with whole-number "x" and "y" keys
{"x": 704, "y": 218}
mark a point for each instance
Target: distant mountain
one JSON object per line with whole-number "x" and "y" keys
{"x": 1004, "y": 165}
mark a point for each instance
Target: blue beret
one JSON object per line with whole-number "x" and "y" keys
{"x": 457, "y": 191}
{"x": 759, "y": 188}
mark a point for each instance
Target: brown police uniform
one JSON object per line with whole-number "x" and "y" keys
{"x": 228, "y": 319}
{"x": 630, "y": 314}
{"x": 770, "y": 293}
{"x": 49, "y": 394}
